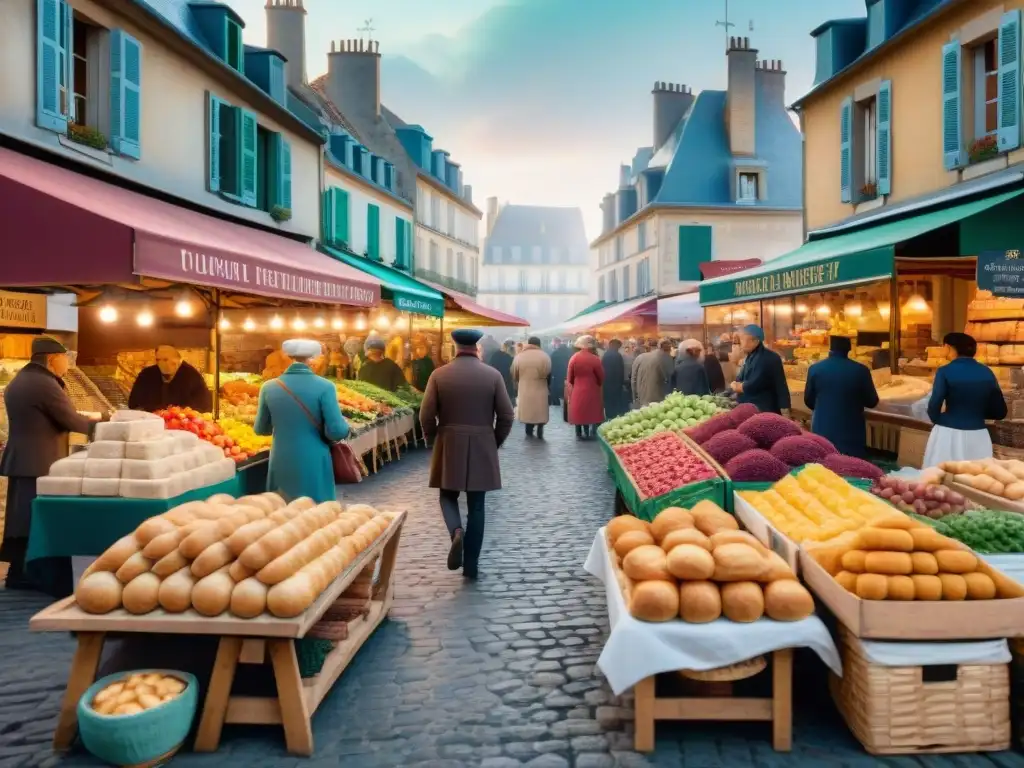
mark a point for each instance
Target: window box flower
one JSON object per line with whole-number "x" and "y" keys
{"x": 980, "y": 150}
{"x": 869, "y": 191}
{"x": 90, "y": 137}
{"x": 280, "y": 214}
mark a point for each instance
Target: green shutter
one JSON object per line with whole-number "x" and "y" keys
{"x": 230, "y": 149}
{"x": 373, "y": 231}
{"x": 400, "y": 243}
{"x": 694, "y": 248}
{"x": 281, "y": 183}
{"x": 341, "y": 236}
{"x": 1009, "y": 81}
{"x": 213, "y": 142}
{"x": 248, "y": 164}
{"x": 883, "y": 134}
{"x": 234, "y": 50}
{"x": 125, "y": 93}
{"x": 410, "y": 253}
{"x": 53, "y": 37}
{"x": 951, "y": 119}
{"x": 327, "y": 215}
{"x": 846, "y": 151}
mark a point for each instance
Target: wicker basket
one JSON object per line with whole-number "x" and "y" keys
{"x": 739, "y": 671}
{"x": 901, "y": 710}
{"x": 1007, "y": 433}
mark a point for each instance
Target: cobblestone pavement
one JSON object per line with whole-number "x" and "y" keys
{"x": 496, "y": 674}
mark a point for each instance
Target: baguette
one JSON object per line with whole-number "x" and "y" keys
{"x": 304, "y": 503}
{"x": 221, "y": 498}
{"x": 115, "y": 556}
{"x": 212, "y": 558}
{"x": 296, "y": 593}
{"x": 303, "y": 553}
{"x": 142, "y": 594}
{"x": 239, "y": 572}
{"x": 275, "y": 499}
{"x": 176, "y": 591}
{"x": 278, "y": 541}
{"x": 169, "y": 564}
{"x": 134, "y": 566}
{"x": 213, "y": 511}
{"x": 98, "y": 592}
{"x": 211, "y": 595}
{"x": 184, "y": 513}
{"x": 193, "y": 545}
{"x": 152, "y": 528}
{"x": 249, "y": 598}
{"x": 166, "y": 543}
{"x": 251, "y": 532}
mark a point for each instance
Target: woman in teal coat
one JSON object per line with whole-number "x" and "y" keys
{"x": 300, "y": 409}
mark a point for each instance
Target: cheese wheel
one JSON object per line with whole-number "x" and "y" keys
{"x": 141, "y": 594}
{"x": 249, "y": 598}
{"x": 98, "y": 592}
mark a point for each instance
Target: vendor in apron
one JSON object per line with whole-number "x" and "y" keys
{"x": 971, "y": 395}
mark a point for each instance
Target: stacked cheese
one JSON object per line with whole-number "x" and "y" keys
{"x": 248, "y": 556}
{"x": 135, "y": 457}
{"x": 698, "y": 566}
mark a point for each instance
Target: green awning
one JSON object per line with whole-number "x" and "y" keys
{"x": 842, "y": 260}
{"x": 406, "y": 293}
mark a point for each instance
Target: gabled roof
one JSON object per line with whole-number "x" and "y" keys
{"x": 318, "y": 93}
{"x": 528, "y": 226}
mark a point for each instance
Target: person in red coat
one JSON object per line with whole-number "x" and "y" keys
{"x": 583, "y": 383}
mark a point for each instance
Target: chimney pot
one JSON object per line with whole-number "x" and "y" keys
{"x": 286, "y": 32}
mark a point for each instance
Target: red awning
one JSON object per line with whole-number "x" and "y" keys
{"x": 467, "y": 304}
{"x": 712, "y": 269}
{"x": 59, "y": 227}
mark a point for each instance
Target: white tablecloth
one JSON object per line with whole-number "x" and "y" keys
{"x": 637, "y": 649}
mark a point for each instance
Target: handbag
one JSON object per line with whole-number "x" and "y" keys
{"x": 346, "y": 466}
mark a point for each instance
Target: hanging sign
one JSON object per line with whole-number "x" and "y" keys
{"x": 22, "y": 310}
{"x": 1002, "y": 273}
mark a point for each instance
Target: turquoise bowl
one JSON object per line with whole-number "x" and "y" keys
{"x": 144, "y": 736}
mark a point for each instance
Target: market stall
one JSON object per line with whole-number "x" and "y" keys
{"x": 607, "y": 320}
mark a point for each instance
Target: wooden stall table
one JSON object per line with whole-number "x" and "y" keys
{"x": 366, "y": 443}
{"x": 262, "y": 640}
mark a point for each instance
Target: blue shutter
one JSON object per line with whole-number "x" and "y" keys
{"x": 125, "y": 93}
{"x": 846, "y": 151}
{"x": 53, "y": 37}
{"x": 284, "y": 160}
{"x": 248, "y": 166}
{"x": 1009, "y": 81}
{"x": 327, "y": 215}
{"x": 213, "y": 147}
{"x": 399, "y": 242}
{"x": 341, "y": 217}
{"x": 883, "y": 135}
{"x": 276, "y": 79}
{"x": 373, "y": 231}
{"x": 951, "y": 119}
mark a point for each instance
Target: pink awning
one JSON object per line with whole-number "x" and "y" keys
{"x": 59, "y": 227}
{"x": 467, "y": 304}
{"x": 623, "y": 310}
{"x": 712, "y": 269}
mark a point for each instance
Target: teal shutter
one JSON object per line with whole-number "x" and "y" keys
{"x": 883, "y": 135}
{"x": 230, "y": 149}
{"x": 341, "y": 217}
{"x": 694, "y": 247}
{"x": 281, "y": 184}
{"x": 1009, "y": 81}
{"x": 409, "y": 254}
{"x": 213, "y": 139}
{"x": 399, "y": 243}
{"x": 125, "y": 93}
{"x": 373, "y": 231}
{"x": 53, "y": 36}
{"x": 248, "y": 165}
{"x": 951, "y": 119}
{"x": 846, "y": 151}
{"x": 276, "y": 79}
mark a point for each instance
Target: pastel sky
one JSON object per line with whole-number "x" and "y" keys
{"x": 540, "y": 100}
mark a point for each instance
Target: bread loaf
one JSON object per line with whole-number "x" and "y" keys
{"x": 622, "y": 524}
{"x": 141, "y": 594}
{"x": 885, "y": 540}
{"x": 630, "y": 540}
{"x": 888, "y": 563}
{"x": 647, "y": 563}
{"x": 927, "y": 539}
{"x": 303, "y": 553}
{"x": 778, "y": 569}
{"x": 738, "y": 537}
{"x": 212, "y": 558}
{"x": 295, "y": 594}
{"x": 685, "y": 536}
{"x": 211, "y": 595}
{"x": 185, "y": 513}
{"x": 166, "y": 543}
{"x": 239, "y": 572}
{"x": 133, "y": 566}
{"x": 98, "y": 592}
{"x": 152, "y": 528}
{"x": 979, "y": 586}
{"x": 196, "y": 542}
{"x": 709, "y": 518}
{"x": 787, "y": 600}
{"x": 956, "y": 561}
{"x": 176, "y": 591}
{"x": 116, "y": 555}
{"x": 248, "y": 598}
{"x": 738, "y": 562}
{"x": 872, "y": 586}
{"x": 170, "y": 563}
{"x": 742, "y": 601}
{"x": 654, "y": 601}
{"x": 900, "y": 587}
{"x": 924, "y": 563}
{"x": 853, "y": 561}
{"x": 954, "y": 586}
{"x": 278, "y": 541}
{"x": 699, "y": 602}
{"x": 927, "y": 587}
{"x": 690, "y": 562}
{"x": 668, "y": 520}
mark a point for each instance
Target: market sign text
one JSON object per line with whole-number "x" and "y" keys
{"x": 418, "y": 306}
{"x": 790, "y": 280}
{"x": 1002, "y": 273}
{"x": 22, "y": 310}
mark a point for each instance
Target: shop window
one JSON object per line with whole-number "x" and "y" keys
{"x": 449, "y": 263}
{"x": 618, "y": 248}
{"x": 867, "y": 139}
{"x": 986, "y": 89}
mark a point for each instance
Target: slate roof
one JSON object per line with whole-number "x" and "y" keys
{"x": 528, "y": 226}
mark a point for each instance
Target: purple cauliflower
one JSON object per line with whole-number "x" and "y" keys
{"x": 850, "y": 466}
{"x": 741, "y": 413}
{"x": 755, "y": 466}
{"x": 825, "y": 443}
{"x": 725, "y": 445}
{"x": 766, "y": 429}
{"x": 798, "y": 450}
{"x": 704, "y": 431}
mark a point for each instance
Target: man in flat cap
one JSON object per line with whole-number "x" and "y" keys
{"x": 762, "y": 379}
{"x": 379, "y": 370}
{"x": 40, "y": 416}
{"x": 171, "y": 381}
{"x": 467, "y": 412}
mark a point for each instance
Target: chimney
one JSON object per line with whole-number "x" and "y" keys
{"x": 608, "y": 212}
{"x": 353, "y": 76}
{"x": 739, "y": 108}
{"x": 467, "y": 193}
{"x": 286, "y": 34}
{"x": 625, "y": 176}
{"x": 492, "y": 213}
{"x": 771, "y": 83}
{"x": 671, "y": 102}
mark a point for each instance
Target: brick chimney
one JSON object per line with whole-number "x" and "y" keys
{"x": 739, "y": 109}
{"x": 353, "y": 76}
{"x": 771, "y": 82}
{"x": 671, "y": 101}
{"x": 492, "y": 214}
{"x": 286, "y": 34}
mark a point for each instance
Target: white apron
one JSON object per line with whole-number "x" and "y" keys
{"x": 947, "y": 444}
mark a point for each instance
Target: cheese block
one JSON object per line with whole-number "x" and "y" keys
{"x": 101, "y": 486}
{"x": 147, "y": 489}
{"x": 220, "y": 471}
{"x": 130, "y": 415}
{"x": 69, "y": 467}
{"x": 106, "y": 449}
{"x": 139, "y": 469}
{"x": 59, "y": 486}
{"x": 130, "y": 431}
{"x": 110, "y": 468}
{"x": 193, "y": 458}
{"x": 151, "y": 450}
{"x": 183, "y": 441}
{"x": 211, "y": 453}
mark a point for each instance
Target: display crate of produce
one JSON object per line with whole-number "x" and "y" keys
{"x": 983, "y": 499}
{"x": 922, "y": 709}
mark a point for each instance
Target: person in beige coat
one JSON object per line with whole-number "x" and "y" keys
{"x": 531, "y": 372}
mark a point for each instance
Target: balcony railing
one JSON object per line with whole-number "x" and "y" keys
{"x": 448, "y": 282}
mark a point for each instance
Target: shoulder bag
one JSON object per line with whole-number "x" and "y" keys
{"x": 346, "y": 466}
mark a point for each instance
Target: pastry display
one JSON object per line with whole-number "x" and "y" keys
{"x": 992, "y": 476}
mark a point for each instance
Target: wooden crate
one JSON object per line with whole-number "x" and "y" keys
{"x": 922, "y": 710}
{"x": 912, "y": 444}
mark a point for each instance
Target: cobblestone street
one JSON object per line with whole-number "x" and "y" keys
{"x": 495, "y": 674}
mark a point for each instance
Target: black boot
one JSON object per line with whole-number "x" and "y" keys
{"x": 540, "y": 431}
{"x": 529, "y": 430}
{"x": 579, "y": 433}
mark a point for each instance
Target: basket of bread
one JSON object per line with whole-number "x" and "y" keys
{"x": 136, "y": 718}
{"x": 696, "y": 565}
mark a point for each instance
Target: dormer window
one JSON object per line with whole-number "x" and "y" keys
{"x": 749, "y": 184}
{"x": 233, "y": 52}
{"x": 748, "y": 188}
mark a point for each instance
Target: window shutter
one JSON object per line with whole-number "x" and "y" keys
{"x": 951, "y": 119}
{"x": 399, "y": 242}
{"x": 694, "y": 247}
{"x": 125, "y": 93}
{"x": 282, "y": 182}
{"x": 1009, "y": 81}
{"x": 883, "y": 135}
{"x": 213, "y": 147}
{"x": 373, "y": 231}
{"x": 341, "y": 217}
{"x": 276, "y": 79}
{"x": 327, "y": 214}
{"x": 53, "y": 36}
{"x": 248, "y": 169}
{"x": 846, "y": 151}
{"x": 410, "y": 253}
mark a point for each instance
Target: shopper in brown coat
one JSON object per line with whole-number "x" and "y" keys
{"x": 467, "y": 412}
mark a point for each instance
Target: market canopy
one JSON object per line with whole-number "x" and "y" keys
{"x": 64, "y": 228}
{"x": 478, "y": 313}
{"x": 680, "y": 310}
{"x": 610, "y": 313}
{"x": 406, "y": 293}
{"x": 835, "y": 262}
